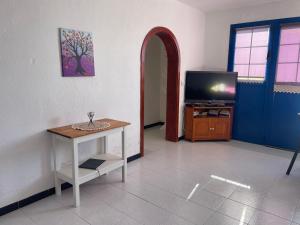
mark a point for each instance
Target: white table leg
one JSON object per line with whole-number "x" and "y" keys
{"x": 57, "y": 181}
{"x": 105, "y": 138}
{"x": 124, "y": 156}
{"x": 76, "y": 195}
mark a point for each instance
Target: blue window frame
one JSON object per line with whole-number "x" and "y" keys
{"x": 251, "y": 53}
{"x": 275, "y": 27}
{"x": 288, "y": 69}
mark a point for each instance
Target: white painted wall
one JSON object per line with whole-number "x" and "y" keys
{"x": 152, "y": 80}
{"x": 34, "y": 96}
{"x": 163, "y": 83}
{"x": 156, "y": 67}
{"x": 218, "y": 27}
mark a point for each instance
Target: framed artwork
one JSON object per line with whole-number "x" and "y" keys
{"x": 77, "y": 54}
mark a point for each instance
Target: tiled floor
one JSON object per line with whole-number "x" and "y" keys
{"x": 205, "y": 183}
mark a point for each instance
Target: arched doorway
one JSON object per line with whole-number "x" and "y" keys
{"x": 173, "y": 83}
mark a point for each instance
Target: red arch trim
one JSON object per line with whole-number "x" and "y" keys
{"x": 173, "y": 83}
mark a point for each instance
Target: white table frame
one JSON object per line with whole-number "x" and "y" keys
{"x": 88, "y": 175}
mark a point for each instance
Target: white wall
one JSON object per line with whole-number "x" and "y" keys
{"x": 34, "y": 96}
{"x": 156, "y": 67}
{"x": 218, "y": 27}
{"x": 152, "y": 79}
{"x": 163, "y": 83}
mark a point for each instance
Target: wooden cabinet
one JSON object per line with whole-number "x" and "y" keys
{"x": 201, "y": 125}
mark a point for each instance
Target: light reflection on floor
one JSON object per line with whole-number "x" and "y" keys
{"x": 230, "y": 181}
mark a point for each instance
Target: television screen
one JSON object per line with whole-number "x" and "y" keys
{"x": 205, "y": 86}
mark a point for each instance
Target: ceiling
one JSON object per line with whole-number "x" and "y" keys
{"x": 218, "y": 5}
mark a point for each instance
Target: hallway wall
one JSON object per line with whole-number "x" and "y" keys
{"x": 155, "y": 82}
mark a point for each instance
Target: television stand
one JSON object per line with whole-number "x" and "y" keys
{"x": 205, "y": 122}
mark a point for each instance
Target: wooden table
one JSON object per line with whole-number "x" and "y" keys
{"x": 76, "y": 176}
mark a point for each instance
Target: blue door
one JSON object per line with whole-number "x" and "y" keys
{"x": 268, "y": 91}
{"x": 284, "y": 130}
{"x": 249, "y": 120}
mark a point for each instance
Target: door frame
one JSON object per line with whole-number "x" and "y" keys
{"x": 173, "y": 83}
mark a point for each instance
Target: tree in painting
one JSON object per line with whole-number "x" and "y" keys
{"x": 77, "y": 53}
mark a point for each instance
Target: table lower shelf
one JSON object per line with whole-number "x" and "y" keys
{"x": 111, "y": 163}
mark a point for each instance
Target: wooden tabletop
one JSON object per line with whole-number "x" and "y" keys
{"x": 69, "y": 132}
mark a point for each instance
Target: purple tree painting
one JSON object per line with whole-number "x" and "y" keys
{"x": 77, "y": 53}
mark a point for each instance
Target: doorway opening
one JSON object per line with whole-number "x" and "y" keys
{"x": 173, "y": 83}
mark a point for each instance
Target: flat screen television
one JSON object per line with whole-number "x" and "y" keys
{"x": 210, "y": 87}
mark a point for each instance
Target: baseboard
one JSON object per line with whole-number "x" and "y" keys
{"x": 34, "y": 198}
{"x": 181, "y": 138}
{"x": 134, "y": 157}
{"x": 9, "y": 208}
{"x": 16, "y": 205}
{"x": 44, "y": 194}
{"x": 154, "y": 125}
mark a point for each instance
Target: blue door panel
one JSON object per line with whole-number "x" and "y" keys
{"x": 249, "y": 113}
{"x": 285, "y": 127}
{"x": 262, "y": 116}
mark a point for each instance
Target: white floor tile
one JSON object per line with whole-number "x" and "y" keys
{"x": 237, "y": 211}
{"x": 220, "y": 219}
{"x": 142, "y": 211}
{"x": 49, "y": 211}
{"x": 220, "y": 188}
{"x": 279, "y": 207}
{"x": 173, "y": 185}
{"x": 170, "y": 202}
{"x": 195, "y": 214}
{"x": 296, "y": 217}
{"x": 247, "y": 197}
{"x": 175, "y": 220}
{"x": 207, "y": 199}
{"x": 16, "y": 218}
{"x": 263, "y": 218}
{"x": 95, "y": 211}
{"x": 287, "y": 189}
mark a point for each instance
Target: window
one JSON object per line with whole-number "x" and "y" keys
{"x": 288, "y": 69}
{"x": 251, "y": 52}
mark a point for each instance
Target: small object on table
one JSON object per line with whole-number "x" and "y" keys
{"x": 203, "y": 114}
{"x": 91, "y": 125}
{"x": 224, "y": 113}
{"x": 92, "y": 164}
{"x": 97, "y": 125}
{"x": 196, "y": 113}
{"x": 213, "y": 112}
{"x": 91, "y": 116}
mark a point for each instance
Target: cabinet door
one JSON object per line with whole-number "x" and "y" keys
{"x": 220, "y": 128}
{"x": 201, "y": 128}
